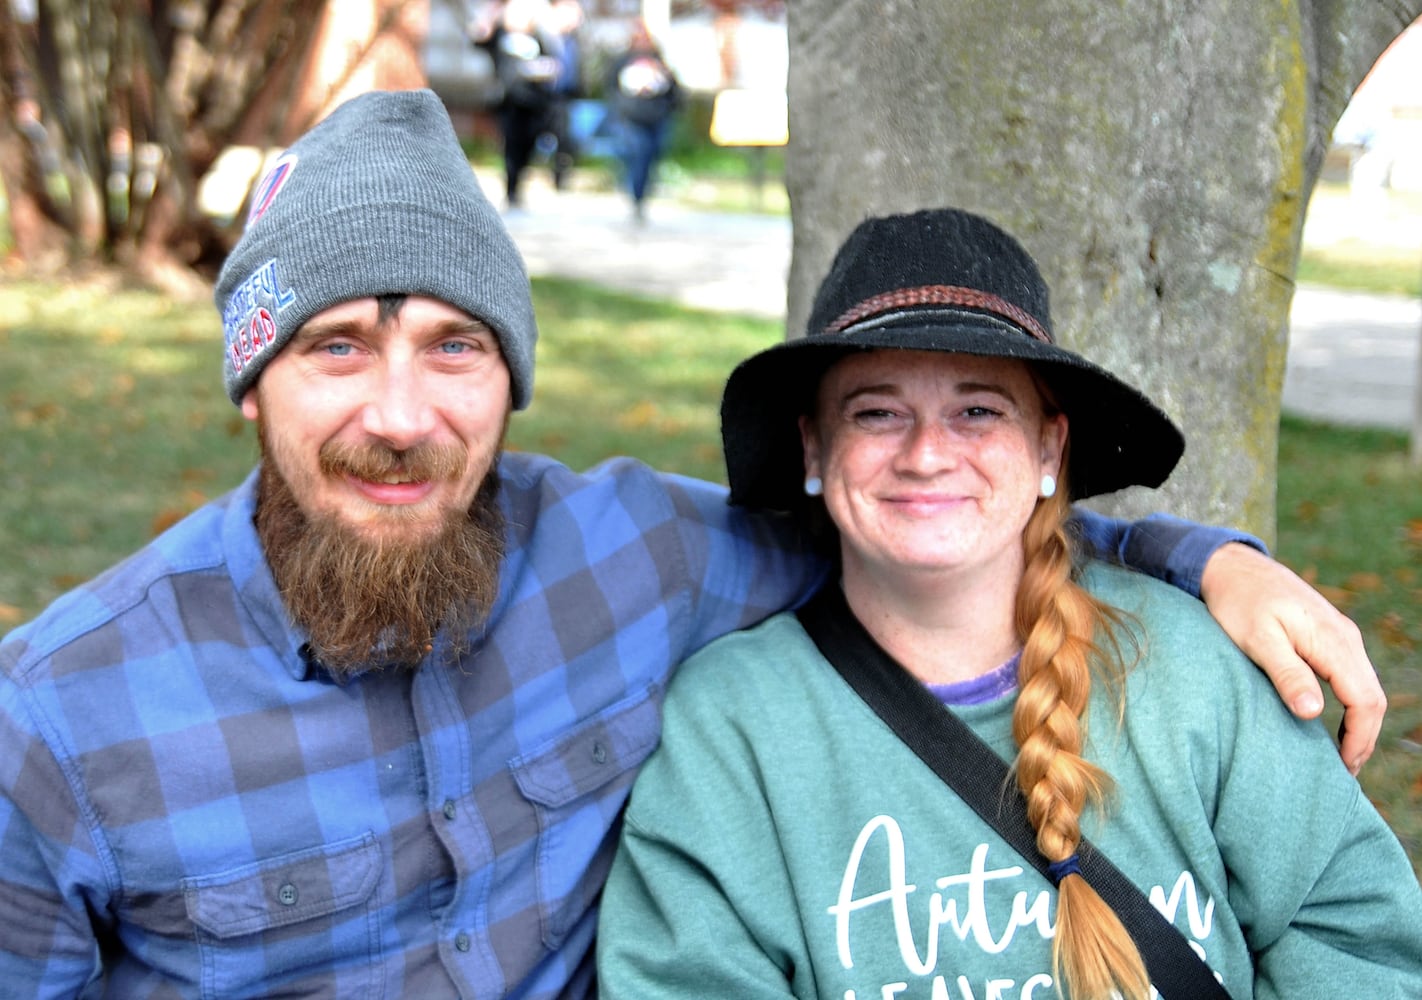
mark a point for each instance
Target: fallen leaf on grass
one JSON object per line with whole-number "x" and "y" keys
{"x": 1337, "y": 596}
{"x": 165, "y": 519}
{"x": 1404, "y": 699}
{"x": 1413, "y": 530}
{"x": 1393, "y": 631}
{"x": 640, "y": 415}
{"x": 10, "y": 614}
{"x": 1365, "y": 583}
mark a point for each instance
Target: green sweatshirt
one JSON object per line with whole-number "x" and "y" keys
{"x": 783, "y": 842}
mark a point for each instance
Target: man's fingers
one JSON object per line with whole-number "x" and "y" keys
{"x": 1300, "y": 641}
{"x": 1295, "y": 680}
{"x": 1362, "y": 723}
{"x": 1339, "y": 657}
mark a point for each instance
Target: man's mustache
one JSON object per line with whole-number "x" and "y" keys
{"x": 425, "y": 462}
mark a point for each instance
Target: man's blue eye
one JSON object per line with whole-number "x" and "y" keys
{"x": 339, "y": 350}
{"x": 454, "y": 347}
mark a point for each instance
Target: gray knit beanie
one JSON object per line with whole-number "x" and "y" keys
{"x": 377, "y": 199}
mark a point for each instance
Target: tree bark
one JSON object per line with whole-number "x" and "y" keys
{"x": 139, "y": 97}
{"x": 1155, "y": 156}
{"x": 38, "y": 238}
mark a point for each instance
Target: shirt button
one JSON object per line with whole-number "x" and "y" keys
{"x": 599, "y": 753}
{"x": 462, "y": 941}
{"x": 286, "y": 895}
{"x": 449, "y": 809}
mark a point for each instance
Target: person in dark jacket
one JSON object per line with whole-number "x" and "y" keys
{"x": 643, "y": 94}
{"x": 565, "y": 18}
{"x": 526, "y": 63}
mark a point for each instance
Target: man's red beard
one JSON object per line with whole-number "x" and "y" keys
{"x": 378, "y": 598}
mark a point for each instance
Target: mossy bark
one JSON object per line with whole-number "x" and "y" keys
{"x": 1155, "y": 156}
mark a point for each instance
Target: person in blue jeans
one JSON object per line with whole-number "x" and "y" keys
{"x": 643, "y": 95}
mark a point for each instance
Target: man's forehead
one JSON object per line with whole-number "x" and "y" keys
{"x": 389, "y": 310}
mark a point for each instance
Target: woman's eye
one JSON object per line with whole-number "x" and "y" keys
{"x": 874, "y": 416}
{"x": 980, "y": 412}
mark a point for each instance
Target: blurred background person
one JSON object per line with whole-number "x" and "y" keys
{"x": 564, "y": 20}
{"x": 642, "y": 94}
{"x": 518, "y": 36}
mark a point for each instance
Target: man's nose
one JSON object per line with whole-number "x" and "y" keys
{"x": 399, "y": 412}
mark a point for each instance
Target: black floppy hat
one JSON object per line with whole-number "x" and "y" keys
{"x": 934, "y": 280}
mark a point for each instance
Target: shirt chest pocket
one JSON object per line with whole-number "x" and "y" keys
{"x": 577, "y": 786}
{"x": 302, "y": 923}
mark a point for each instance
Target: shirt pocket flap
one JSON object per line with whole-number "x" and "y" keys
{"x": 587, "y": 757}
{"x": 285, "y": 890}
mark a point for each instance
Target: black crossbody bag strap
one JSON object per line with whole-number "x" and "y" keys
{"x": 980, "y": 777}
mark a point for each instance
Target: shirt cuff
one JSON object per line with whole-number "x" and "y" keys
{"x": 1176, "y": 550}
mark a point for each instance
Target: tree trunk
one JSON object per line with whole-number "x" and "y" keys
{"x": 1415, "y": 452}
{"x": 38, "y": 241}
{"x": 1155, "y": 156}
{"x": 137, "y": 98}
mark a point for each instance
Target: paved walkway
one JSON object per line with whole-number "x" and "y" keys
{"x": 1353, "y": 359}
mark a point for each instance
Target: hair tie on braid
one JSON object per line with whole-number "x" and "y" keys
{"x": 1059, "y": 870}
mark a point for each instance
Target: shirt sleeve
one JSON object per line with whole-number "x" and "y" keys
{"x": 1327, "y": 898}
{"x": 744, "y": 565}
{"x": 47, "y": 944}
{"x": 1168, "y": 548}
{"x": 688, "y": 912}
{"x": 668, "y": 929}
{"x": 1320, "y": 886}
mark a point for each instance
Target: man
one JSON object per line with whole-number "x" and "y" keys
{"x": 365, "y": 726}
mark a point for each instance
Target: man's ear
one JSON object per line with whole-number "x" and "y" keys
{"x": 249, "y": 403}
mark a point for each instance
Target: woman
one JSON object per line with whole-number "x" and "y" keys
{"x": 784, "y": 842}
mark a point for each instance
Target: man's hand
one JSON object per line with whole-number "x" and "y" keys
{"x": 1293, "y": 633}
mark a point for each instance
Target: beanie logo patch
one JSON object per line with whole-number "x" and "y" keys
{"x": 271, "y": 186}
{"x": 249, "y": 323}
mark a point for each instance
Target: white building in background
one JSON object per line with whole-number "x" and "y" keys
{"x": 1382, "y": 125}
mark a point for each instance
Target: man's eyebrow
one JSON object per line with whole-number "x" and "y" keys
{"x": 467, "y": 325}
{"x": 315, "y": 329}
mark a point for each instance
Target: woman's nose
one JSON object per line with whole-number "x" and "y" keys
{"x": 929, "y": 447}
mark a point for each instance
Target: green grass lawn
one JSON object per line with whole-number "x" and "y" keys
{"x": 114, "y": 424}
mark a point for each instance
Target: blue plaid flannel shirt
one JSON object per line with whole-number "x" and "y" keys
{"x": 190, "y": 808}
